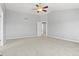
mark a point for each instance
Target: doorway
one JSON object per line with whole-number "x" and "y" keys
{"x": 42, "y": 28}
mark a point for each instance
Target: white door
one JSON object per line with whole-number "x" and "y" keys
{"x": 44, "y": 28}
{"x": 39, "y": 28}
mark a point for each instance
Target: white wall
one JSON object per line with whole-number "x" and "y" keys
{"x": 64, "y": 24}
{"x": 18, "y": 27}
{"x": 2, "y": 24}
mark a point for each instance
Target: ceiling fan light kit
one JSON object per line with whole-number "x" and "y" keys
{"x": 40, "y": 7}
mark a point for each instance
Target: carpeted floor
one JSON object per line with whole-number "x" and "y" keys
{"x": 40, "y": 47}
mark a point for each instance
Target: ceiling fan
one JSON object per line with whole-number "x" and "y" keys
{"x": 40, "y": 7}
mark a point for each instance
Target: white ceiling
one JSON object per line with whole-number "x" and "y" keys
{"x": 28, "y": 7}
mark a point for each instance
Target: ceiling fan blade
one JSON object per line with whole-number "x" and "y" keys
{"x": 45, "y": 7}
{"x": 45, "y": 10}
{"x": 37, "y": 11}
{"x": 37, "y": 5}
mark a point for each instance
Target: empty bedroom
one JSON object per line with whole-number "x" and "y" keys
{"x": 39, "y": 29}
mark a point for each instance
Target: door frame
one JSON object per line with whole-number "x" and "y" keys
{"x": 41, "y": 28}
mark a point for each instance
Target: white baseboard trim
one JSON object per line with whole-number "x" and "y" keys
{"x": 21, "y": 37}
{"x": 58, "y": 37}
{"x": 49, "y": 36}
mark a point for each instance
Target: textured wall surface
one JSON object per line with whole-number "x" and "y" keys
{"x": 20, "y": 25}
{"x": 64, "y": 24}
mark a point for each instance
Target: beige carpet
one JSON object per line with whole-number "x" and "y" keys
{"x": 40, "y": 47}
